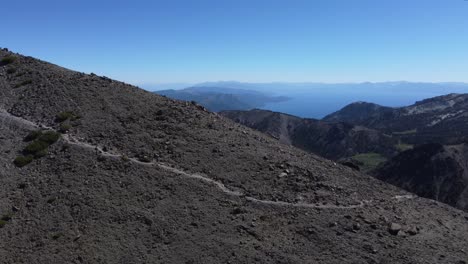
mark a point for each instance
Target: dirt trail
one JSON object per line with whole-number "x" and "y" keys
{"x": 69, "y": 139}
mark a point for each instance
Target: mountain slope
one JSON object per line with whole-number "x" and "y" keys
{"x": 140, "y": 178}
{"x": 442, "y": 119}
{"x": 433, "y": 171}
{"x": 330, "y": 140}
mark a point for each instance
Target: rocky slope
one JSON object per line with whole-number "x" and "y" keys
{"x": 442, "y": 119}
{"x": 139, "y": 178}
{"x": 330, "y": 140}
{"x": 433, "y": 171}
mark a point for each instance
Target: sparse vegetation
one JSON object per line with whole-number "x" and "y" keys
{"x": 125, "y": 158}
{"x": 5, "y": 219}
{"x": 38, "y": 146}
{"x": 50, "y": 137}
{"x": 22, "y": 161}
{"x": 41, "y": 153}
{"x": 66, "y": 115}
{"x": 56, "y": 236}
{"x": 64, "y": 127}
{"x": 369, "y": 160}
{"x": 33, "y": 135}
{"x": 35, "y": 146}
{"x": 8, "y": 60}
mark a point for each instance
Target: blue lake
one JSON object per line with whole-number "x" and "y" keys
{"x": 320, "y": 104}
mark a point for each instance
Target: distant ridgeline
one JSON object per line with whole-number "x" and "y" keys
{"x": 217, "y": 99}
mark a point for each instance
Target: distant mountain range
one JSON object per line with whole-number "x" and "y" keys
{"x": 220, "y": 98}
{"x": 388, "y": 87}
{"x": 316, "y": 100}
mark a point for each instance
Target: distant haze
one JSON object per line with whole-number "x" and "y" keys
{"x": 315, "y": 100}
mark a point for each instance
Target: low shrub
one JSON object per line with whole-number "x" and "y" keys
{"x": 56, "y": 236}
{"x": 41, "y": 153}
{"x": 64, "y": 127}
{"x": 33, "y": 135}
{"x": 2, "y": 223}
{"x": 38, "y": 146}
{"x": 7, "y": 60}
{"x": 49, "y": 137}
{"x": 35, "y": 146}
{"x": 66, "y": 115}
{"x": 22, "y": 161}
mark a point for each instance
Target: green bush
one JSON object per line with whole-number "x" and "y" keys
{"x": 22, "y": 161}
{"x": 66, "y": 115}
{"x": 33, "y": 135}
{"x": 35, "y": 146}
{"x": 2, "y": 223}
{"x": 38, "y": 148}
{"x": 65, "y": 127}
{"x": 49, "y": 137}
{"x": 56, "y": 236}
{"x": 8, "y": 60}
{"x": 41, "y": 143}
{"x": 41, "y": 153}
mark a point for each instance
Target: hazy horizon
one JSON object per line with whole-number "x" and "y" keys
{"x": 315, "y": 100}
{"x": 171, "y": 85}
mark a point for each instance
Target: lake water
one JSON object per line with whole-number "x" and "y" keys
{"x": 320, "y": 104}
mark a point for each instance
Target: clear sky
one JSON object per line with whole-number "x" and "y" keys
{"x": 245, "y": 40}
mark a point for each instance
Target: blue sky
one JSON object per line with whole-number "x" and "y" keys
{"x": 245, "y": 40}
